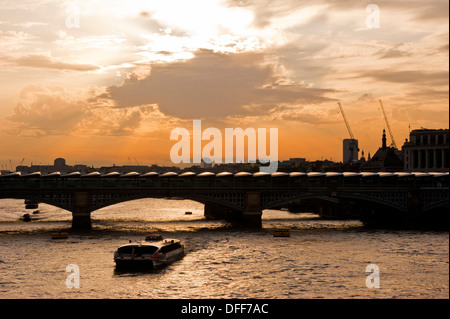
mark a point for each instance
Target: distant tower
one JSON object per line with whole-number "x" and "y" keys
{"x": 59, "y": 163}
{"x": 350, "y": 150}
{"x": 384, "y": 139}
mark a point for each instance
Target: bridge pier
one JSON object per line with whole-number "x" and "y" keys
{"x": 81, "y": 222}
{"x": 81, "y": 214}
{"x": 214, "y": 211}
{"x": 415, "y": 205}
{"x": 249, "y": 217}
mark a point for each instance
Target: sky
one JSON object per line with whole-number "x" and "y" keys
{"x": 105, "y": 82}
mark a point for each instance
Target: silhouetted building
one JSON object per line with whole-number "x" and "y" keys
{"x": 59, "y": 165}
{"x": 386, "y": 159}
{"x": 297, "y": 161}
{"x": 363, "y": 158}
{"x": 427, "y": 150}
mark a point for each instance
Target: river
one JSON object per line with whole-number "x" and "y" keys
{"x": 321, "y": 259}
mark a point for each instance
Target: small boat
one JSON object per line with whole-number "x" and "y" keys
{"x": 29, "y": 204}
{"x": 282, "y": 233}
{"x": 36, "y": 212}
{"x": 153, "y": 252}
{"x": 60, "y": 235}
{"x": 188, "y": 213}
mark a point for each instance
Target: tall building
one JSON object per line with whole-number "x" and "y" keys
{"x": 350, "y": 150}
{"x": 427, "y": 150}
{"x": 60, "y": 163}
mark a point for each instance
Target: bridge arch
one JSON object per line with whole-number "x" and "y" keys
{"x": 196, "y": 198}
{"x": 81, "y": 218}
{"x": 441, "y": 204}
{"x": 39, "y": 200}
{"x": 336, "y": 200}
{"x": 214, "y": 208}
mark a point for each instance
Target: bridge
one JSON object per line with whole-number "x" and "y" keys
{"x": 372, "y": 197}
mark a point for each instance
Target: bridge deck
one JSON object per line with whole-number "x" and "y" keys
{"x": 242, "y": 194}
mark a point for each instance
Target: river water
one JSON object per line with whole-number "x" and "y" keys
{"x": 321, "y": 259}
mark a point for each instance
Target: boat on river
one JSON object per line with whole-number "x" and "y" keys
{"x": 153, "y": 252}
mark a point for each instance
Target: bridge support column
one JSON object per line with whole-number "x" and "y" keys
{"x": 215, "y": 211}
{"x": 81, "y": 214}
{"x": 415, "y": 206}
{"x": 251, "y": 217}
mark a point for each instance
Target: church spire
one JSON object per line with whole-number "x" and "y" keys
{"x": 384, "y": 139}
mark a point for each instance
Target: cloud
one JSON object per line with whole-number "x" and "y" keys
{"x": 305, "y": 114}
{"x": 41, "y": 61}
{"x": 133, "y": 121}
{"x": 408, "y": 76}
{"x": 432, "y": 11}
{"x": 31, "y": 24}
{"x": 265, "y": 11}
{"x": 45, "y": 111}
{"x": 103, "y": 42}
{"x": 50, "y": 110}
{"x": 213, "y": 85}
{"x": 13, "y": 40}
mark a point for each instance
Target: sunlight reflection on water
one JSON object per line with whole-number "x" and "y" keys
{"x": 321, "y": 259}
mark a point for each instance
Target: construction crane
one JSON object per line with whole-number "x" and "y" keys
{"x": 346, "y": 122}
{"x": 352, "y": 145}
{"x": 388, "y": 126}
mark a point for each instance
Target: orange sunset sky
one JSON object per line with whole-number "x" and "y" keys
{"x": 101, "y": 82}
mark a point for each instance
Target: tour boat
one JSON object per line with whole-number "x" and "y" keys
{"x": 150, "y": 253}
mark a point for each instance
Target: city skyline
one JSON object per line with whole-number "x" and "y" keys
{"x": 101, "y": 82}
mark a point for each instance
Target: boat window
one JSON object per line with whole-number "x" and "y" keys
{"x": 164, "y": 249}
{"x": 126, "y": 250}
{"x": 145, "y": 250}
{"x": 170, "y": 247}
{"x": 137, "y": 251}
